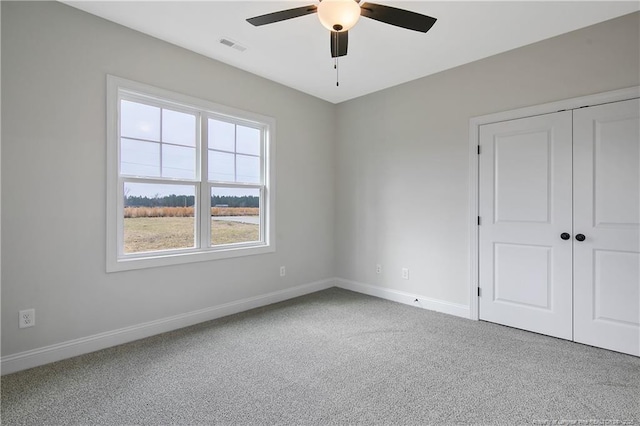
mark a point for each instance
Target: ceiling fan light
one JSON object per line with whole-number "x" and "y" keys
{"x": 338, "y": 15}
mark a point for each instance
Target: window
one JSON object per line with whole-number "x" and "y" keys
{"x": 188, "y": 180}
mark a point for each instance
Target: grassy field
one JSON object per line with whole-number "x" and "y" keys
{"x": 142, "y": 234}
{"x": 130, "y": 212}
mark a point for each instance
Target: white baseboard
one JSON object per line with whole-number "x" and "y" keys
{"x": 406, "y": 298}
{"x": 45, "y": 355}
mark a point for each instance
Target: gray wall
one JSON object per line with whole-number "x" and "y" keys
{"x": 402, "y": 183}
{"x": 55, "y": 60}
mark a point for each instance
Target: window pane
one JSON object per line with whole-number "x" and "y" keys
{"x": 235, "y": 215}
{"x": 221, "y": 166}
{"x": 178, "y": 162}
{"x": 222, "y": 135}
{"x": 138, "y": 158}
{"x": 248, "y": 140}
{"x": 139, "y": 121}
{"x": 178, "y": 128}
{"x": 247, "y": 169}
{"x": 158, "y": 217}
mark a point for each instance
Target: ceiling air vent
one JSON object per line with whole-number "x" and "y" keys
{"x": 232, "y": 44}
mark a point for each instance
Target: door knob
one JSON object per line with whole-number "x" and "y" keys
{"x": 565, "y": 236}
{"x": 580, "y": 237}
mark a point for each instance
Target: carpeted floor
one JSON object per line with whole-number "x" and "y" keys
{"x": 333, "y": 357}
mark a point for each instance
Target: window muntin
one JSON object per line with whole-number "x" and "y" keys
{"x": 234, "y": 152}
{"x": 175, "y": 162}
{"x": 157, "y": 141}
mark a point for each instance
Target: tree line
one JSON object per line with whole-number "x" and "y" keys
{"x": 189, "y": 201}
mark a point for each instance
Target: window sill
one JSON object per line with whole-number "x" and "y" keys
{"x": 158, "y": 260}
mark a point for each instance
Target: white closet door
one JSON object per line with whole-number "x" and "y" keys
{"x": 525, "y": 206}
{"x": 607, "y": 213}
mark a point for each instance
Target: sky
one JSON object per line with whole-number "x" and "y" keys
{"x": 162, "y": 143}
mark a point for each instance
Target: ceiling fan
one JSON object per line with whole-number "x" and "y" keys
{"x": 339, "y": 16}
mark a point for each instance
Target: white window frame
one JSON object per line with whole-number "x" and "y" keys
{"x": 119, "y": 88}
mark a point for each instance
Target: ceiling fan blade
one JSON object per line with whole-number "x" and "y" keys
{"x": 339, "y": 43}
{"x": 282, "y": 15}
{"x": 398, "y": 17}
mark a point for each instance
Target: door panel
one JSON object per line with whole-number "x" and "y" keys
{"x": 607, "y": 212}
{"x": 615, "y": 290}
{"x": 525, "y": 204}
{"x": 615, "y": 157}
{"x": 533, "y": 262}
{"x": 522, "y": 161}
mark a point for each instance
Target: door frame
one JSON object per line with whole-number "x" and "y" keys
{"x": 474, "y": 135}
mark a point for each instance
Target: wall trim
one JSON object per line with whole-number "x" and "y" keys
{"x": 59, "y": 351}
{"x": 474, "y": 132}
{"x": 406, "y": 298}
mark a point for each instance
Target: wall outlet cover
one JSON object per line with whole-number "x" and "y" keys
{"x": 27, "y": 318}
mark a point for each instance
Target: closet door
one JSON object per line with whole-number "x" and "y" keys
{"x": 607, "y": 213}
{"x": 525, "y": 207}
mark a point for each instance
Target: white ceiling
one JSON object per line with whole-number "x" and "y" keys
{"x": 296, "y": 52}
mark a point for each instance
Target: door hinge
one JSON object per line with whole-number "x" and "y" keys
{"x": 478, "y": 220}
{"x": 478, "y": 291}
{"x": 478, "y": 149}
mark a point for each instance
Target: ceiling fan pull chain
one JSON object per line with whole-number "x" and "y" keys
{"x": 335, "y": 65}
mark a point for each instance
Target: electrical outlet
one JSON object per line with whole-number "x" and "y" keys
{"x": 405, "y": 273}
{"x": 283, "y": 271}
{"x": 378, "y": 269}
{"x": 27, "y": 318}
